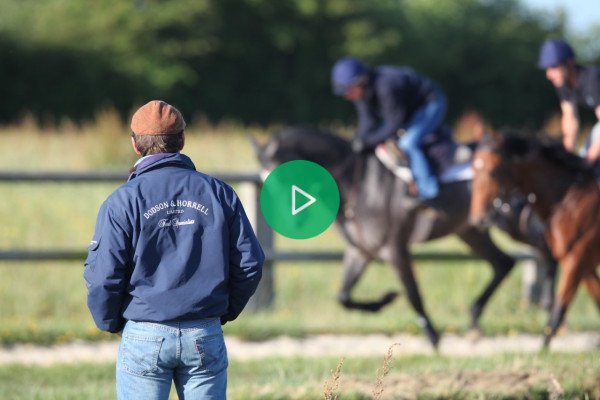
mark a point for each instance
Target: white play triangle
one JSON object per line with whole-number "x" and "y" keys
{"x": 311, "y": 199}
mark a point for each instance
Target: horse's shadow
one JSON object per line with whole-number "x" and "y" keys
{"x": 379, "y": 221}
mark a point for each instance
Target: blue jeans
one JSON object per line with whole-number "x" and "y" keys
{"x": 425, "y": 120}
{"x": 192, "y": 354}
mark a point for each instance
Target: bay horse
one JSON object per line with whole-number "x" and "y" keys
{"x": 564, "y": 192}
{"x": 376, "y": 222}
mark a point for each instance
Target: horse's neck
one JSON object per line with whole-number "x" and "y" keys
{"x": 547, "y": 182}
{"x": 365, "y": 171}
{"x": 367, "y": 191}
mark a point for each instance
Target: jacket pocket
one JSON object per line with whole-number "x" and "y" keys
{"x": 90, "y": 261}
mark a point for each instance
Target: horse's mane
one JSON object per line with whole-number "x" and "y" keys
{"x": 320, "y": 145}
{"x": 516, "y": 146}
{"x": 300, "y": 135}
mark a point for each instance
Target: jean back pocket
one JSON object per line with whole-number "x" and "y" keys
{"x": 140, "y": 353}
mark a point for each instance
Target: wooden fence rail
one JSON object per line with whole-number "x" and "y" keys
{"x": 250, "y": 195}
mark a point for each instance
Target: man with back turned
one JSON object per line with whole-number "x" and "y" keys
{"x": 173, "y": 257}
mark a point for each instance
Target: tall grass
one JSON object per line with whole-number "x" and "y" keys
{"x": 509, "y": 376}
{"x": 106, "y": 144}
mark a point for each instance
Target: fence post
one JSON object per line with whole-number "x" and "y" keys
{"x": 264, "y": 295}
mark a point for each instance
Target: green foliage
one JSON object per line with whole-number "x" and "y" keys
{"x": 265, "y": 62}
{"x": 483, "y": 54}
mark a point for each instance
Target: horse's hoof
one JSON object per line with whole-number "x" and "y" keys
{"x": 545, "y": 345}
{"x": 433, "y": 337}
{"x": 474, "y": 334}
{"x": 435, "y": 342}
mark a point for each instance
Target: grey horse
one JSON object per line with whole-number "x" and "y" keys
{"x": 379, "y": 222}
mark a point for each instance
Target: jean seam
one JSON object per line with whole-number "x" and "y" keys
{"x": 178, "y": 345}
{"x": 162, "y": 327}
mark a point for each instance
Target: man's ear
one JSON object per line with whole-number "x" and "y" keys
{"x": 182, "y": 141}
{"x": 135, "y": 146}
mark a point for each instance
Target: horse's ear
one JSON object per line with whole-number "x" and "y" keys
{"x": 497, "y": 136}
{"x": 268, "y": 150}
{"x": 492, "y": 137}
{"x": 256, "y": 146}
{"x": 271, "y": 148}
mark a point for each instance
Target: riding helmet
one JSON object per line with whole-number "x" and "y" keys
{"x": 554, "y": 52}
{"x": 346, "y": 73}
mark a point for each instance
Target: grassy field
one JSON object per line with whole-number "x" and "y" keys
{"x": 416, "y": 377}
{"x": 45, "y": 302}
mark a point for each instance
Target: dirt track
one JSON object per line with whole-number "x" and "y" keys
{"x": 316, "y": 346}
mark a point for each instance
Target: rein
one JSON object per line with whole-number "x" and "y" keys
{"x": 337, "y": 174}
{"x": 502, "y": 199}
{"x": 350, "y": 205}
{"x": 340, "y": 169}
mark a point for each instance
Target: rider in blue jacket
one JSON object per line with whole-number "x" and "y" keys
{"x": 173, "y": 257}
{"x": 389, "y": 99}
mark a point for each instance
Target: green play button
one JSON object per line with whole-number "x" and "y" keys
{"x": 299, "y": 199}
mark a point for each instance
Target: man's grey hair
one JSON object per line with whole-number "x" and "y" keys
{"x": 157, "y": 144}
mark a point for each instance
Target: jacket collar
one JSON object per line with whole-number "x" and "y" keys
{"x": 158, "y": 160}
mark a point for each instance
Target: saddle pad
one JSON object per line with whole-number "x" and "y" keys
{"x": 457, "y": 173}
{"x": 452, "y": 173}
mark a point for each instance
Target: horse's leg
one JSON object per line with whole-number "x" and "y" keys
{"x": 534, "y": 235}
{"x": 355, "y": 263}
{"x": 569, "y": 280}
{"x": 481, "y": 244}
{"x": 592, "y": 286}
{"x": 550, "y": 267}
{"x": 402, "y": 263}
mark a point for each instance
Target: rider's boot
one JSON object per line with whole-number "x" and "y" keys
{"x": 394, "y": 152}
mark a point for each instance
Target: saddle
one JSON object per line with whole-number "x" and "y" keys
{"x": 449, "y": 160}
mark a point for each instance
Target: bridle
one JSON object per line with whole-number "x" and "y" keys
{"x": 500, "y": 204}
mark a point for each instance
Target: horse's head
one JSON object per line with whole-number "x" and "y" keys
{"x": 492, "y": 174}
{"x": 301, "y": 143}
{"x": 539, "y": 168}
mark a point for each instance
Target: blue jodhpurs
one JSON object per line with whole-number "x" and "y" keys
{"x": 425, "y": 120}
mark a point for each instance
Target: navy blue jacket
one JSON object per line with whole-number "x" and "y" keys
{"x": 172, "y": 244}
{"x": 392, "y": 95}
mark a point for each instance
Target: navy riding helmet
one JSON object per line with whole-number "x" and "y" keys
{"x": 345, "y": 73}
{"x": 554, "y": 52}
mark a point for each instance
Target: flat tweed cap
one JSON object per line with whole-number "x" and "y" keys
{"x": 157, "y": 118}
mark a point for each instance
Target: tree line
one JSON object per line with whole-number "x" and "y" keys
{"x": 265, "y": 61}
